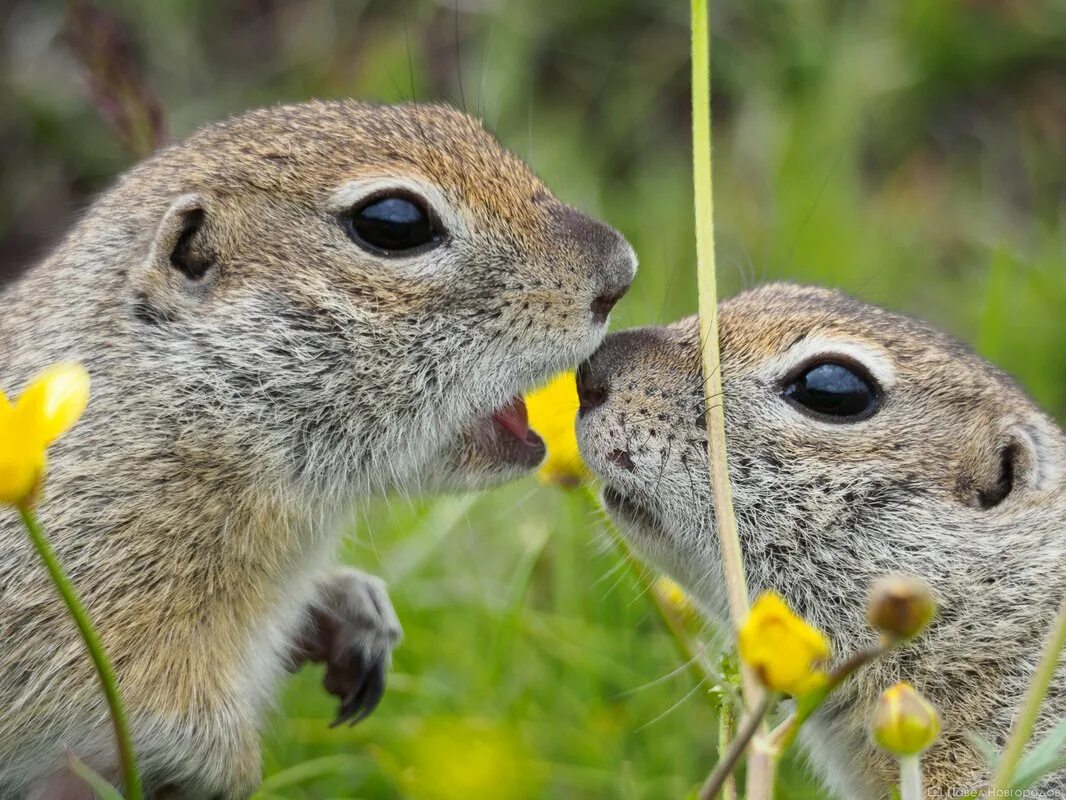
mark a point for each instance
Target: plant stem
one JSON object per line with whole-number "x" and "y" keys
{"x": 717, "y": 459}
{"x": 104, "y": 670}
{"x": 725, "y": 735}
{"x": 697, "y": 665}
{"x": 761, "y": 763}
{"x": 724, "y": 768}
{"x": 1034, "y": 697}
{"x": 762, "y": 768}
{"x": 784, "y": 734}
{"x": 910, "y": 778}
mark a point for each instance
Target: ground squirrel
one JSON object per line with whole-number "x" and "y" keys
{"x": 291, "y": 310}
{"x": 861, "y": 443}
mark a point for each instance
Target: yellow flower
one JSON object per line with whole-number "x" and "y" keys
{"x": 783, "y": 649}
{"x": 552, "y": 414}
{"x": 47, "y": 409}
{"x": 904, "y": 723}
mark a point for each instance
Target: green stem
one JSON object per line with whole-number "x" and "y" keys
{"x": 726, "y": 724}
{"x": 783, "y": 736}
{"x": 96, "y": 651}
{"x": 760, "y": 763}
{"x": 696, "y": 663}
{"x": 728, "y": 761}
{"x": 676, "y": 628}
{"x": 1026, "y": 721}
{"x": 717, "y": 459}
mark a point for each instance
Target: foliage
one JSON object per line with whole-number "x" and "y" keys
{"x": 907, "y": 152}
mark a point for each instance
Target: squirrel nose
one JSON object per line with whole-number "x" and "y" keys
{"x": 592, "y": 389}
{"x": 610, "y": 262}
{"x": 617, "y": 274}
{"x": 603, "y": 304}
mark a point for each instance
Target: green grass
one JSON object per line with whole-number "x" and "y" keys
{"x": 532, "y": 658}
{"x": 524, "y": 629}
{"x": 908, "y": 152}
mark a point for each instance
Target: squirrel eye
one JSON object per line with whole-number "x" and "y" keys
{"x": 393, "y": 224}
{"x": 834, "y": 391}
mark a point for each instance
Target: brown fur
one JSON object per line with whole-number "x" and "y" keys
{"x": 238, "y": 415}
{"x": 825, "y": 508}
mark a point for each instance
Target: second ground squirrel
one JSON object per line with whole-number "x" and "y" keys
{"x": 861, "y": 443}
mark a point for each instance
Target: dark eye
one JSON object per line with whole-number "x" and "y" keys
{"x": 393, "y": 224}
{"x": 834, "y": 391}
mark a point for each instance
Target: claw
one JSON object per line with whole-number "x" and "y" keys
{"x": 352, "y": 631}
{"x": 364, "y": 697}
{"x": 372, "y": 691}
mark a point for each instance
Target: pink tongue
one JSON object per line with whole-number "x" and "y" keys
{"x": 514, "y": 418}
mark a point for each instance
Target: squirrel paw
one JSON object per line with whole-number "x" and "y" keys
{"x": 353, "y": 629}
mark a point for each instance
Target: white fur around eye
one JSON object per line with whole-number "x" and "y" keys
{"x": 876, "y": 361}
{"x": 350, "y": 194}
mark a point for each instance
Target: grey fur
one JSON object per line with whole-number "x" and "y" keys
{"x": 823, "y": 509}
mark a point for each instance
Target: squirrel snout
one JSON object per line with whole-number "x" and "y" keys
{"x": 592, "y": 388}
{"x": 616, "y": 272}
{"x": 602, "y": 305}
{"x": 609, "y": 257}
{"x": 618, "y": 355}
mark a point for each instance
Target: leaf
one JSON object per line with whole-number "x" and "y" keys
{"x": 988, "y": 751}
{"x": 1045, "y": 758}
{"x": 103, "y": 789}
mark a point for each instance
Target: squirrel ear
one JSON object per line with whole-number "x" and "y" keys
{"x": 1029, "y": 458}
{"x": 180, "y": 266}
{"x": 180, "y": 242}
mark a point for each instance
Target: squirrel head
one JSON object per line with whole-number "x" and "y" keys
{"x": 860, "y": 442}
{"x": 348, "y": 292}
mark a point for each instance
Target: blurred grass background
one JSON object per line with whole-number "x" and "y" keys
{"x": 912, "y": 153}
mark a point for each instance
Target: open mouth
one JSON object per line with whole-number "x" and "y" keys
{"x": 514, "y": 441}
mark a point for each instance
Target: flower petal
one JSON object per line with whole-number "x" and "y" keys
{"x": 54, "y": 401}
{"x": 22, "y": 463}
{"x": 552, "y": 413}
{"x": 782, "y": 648}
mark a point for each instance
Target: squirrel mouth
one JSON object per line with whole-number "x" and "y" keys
{"x": 518, "y": 442}
{"x": 514, "y": 418}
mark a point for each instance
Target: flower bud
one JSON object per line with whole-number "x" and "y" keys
{"x": 904, "y": 723}
{"x": 901, "y": 606}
